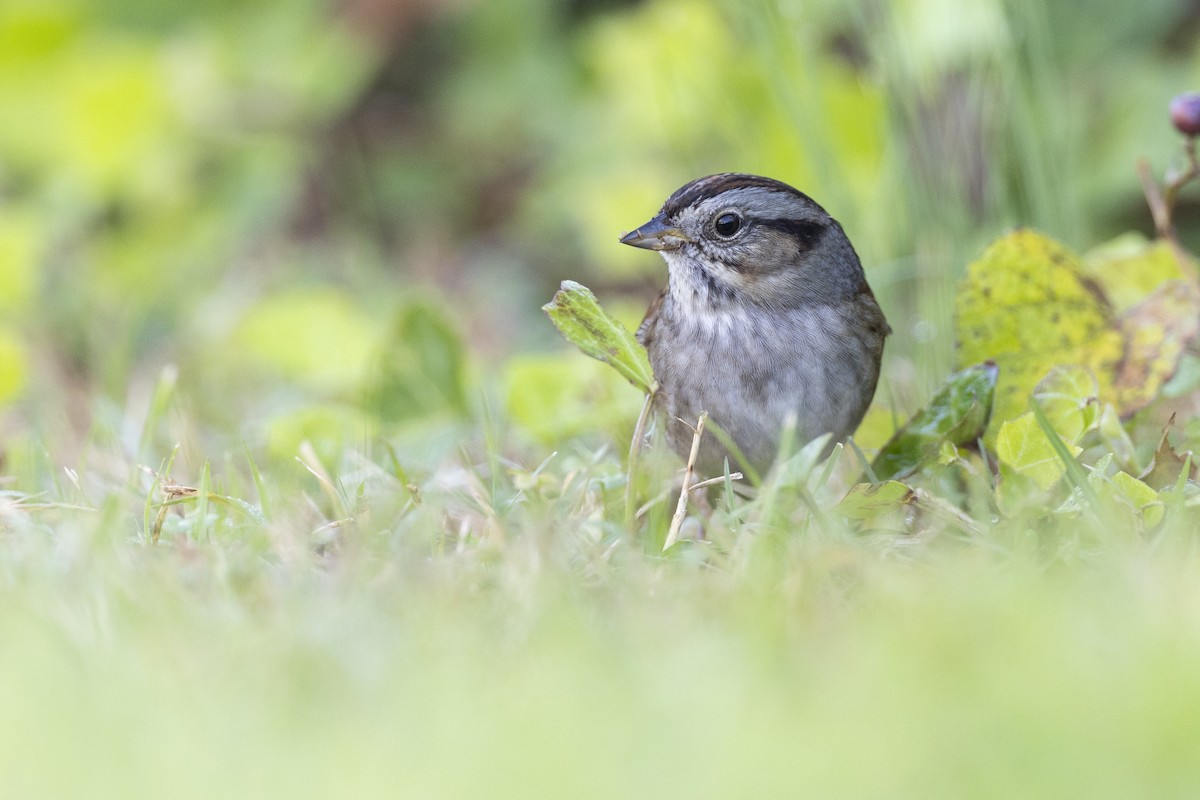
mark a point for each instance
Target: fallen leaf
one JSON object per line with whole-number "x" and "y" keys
{"x": 1167, "y": 463}
{"x": 1157, "y": 331}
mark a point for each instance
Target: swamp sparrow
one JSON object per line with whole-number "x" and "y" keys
{"x": 766, "y": 313}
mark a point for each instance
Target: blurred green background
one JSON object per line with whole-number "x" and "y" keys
{"x": 331, "y": 220}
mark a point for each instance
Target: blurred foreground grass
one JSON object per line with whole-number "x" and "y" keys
{"x": 543, "y": 659}
{"x": 486, "y": 628}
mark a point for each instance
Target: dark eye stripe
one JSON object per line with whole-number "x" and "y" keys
{"x": 807, "y": 234}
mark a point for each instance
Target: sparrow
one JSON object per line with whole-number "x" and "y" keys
{"x": 767, "y": 315}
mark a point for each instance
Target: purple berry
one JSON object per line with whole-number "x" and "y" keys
{"x": 1185, "y": 113}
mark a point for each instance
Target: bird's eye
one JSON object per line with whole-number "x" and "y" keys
{"x": 727, "y": 225}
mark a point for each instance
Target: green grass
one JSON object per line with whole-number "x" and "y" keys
{"x": 504, "y": 637}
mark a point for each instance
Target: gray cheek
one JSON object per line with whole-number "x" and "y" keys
{"x": 776, "y": 252}
{"x": 758, "y": 253}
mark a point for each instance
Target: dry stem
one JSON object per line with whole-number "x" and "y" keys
{"x": 688, "y": 473}
{"x": 1162, "y": 201}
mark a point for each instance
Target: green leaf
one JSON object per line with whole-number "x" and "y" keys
{"x": 1068, "y": 396}
{"x": 1075, "y": 473}
{"x": 578, "y": 316}
{"x": 1030, "y": 304}
{"x": 957, "y": 414}
{"x": 1022, "y": 446}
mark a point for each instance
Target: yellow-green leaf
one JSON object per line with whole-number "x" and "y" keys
{"x": 1068, "y": 396}
{"x": 555, "y": 399}
{"x": 1022, "y": 446}
{"x": 1139, "y": 496}
{"x": 1032, "y": 305}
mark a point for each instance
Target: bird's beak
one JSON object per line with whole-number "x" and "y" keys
{"x": 656, "y": 235}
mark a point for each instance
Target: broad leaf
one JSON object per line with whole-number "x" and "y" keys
{"x": 1140, "y": 498}
{"x": 1068, "y": 396}
{"x": 1023, "y": 447}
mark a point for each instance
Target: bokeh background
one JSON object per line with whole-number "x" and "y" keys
{"x": 237, "y": 233}
{"x": 334, "y": 222}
